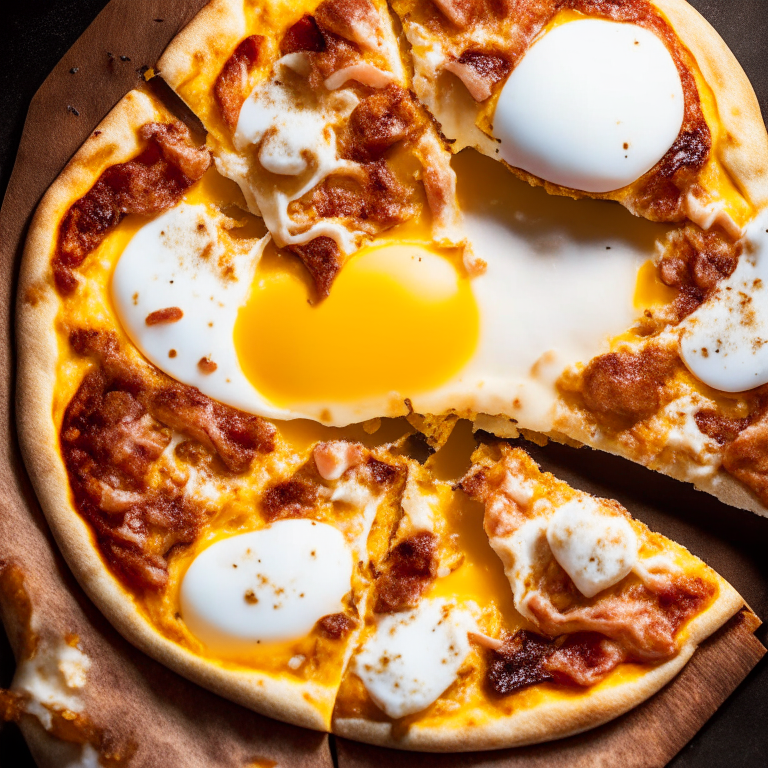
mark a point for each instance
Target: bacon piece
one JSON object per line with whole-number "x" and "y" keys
{"x": 152, "y": 182}
{"x": 290, "y": 498}
{"x": 230, "y": 88}
{"x": 335, "y": 458}
{"x": 409, "y": 570}
{"x": 206, "y": 365}
{"x": 622, "y": 388}
{"x": 519, "y": 663}
{"x": 236, "y": 436}
{"x": 584, "y": 659}
{"x": 694, "y": 262}
{"x": 460, "y": 12}
{"x": 109, "y": 443}
{"x": 440, "y": 186}
{"x": 746, "y": 458}
{"x": 322, "y": 258}
{"x": 720, "y": 428}
{"x": 167, "y": 315}
{"x": 379, "y": 121}
{"x": 174, "y": 142}
{"x": 336, "y": 626}
{"x": 355, "y": 20}
{"x": 479, "y": 71}
{"x": 304, "y": 35}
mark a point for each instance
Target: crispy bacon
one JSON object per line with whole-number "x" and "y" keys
{"x": 695, "y": 262}
{"x": 480, "y": 71}
{"x": 109, "y": 443}
{"x": 290, "y": 498}
{"x": 304, "y": 35}
{"x": 379, "y": 121}
{"x": 167, "y": 315}
{"x": 720, "y": 428}
{"x": 408, "y": 571}
{"x": 323, "y": 260}
{"x": 152, "y": 182}
{"x": 235, "y": 436}
{"x": 622, "y": 388}
{"x": 336, "y": 626}
{"x": 230, "y": 88}
{"x": 519, "y": 663}
{"x": 746, "y": 458}
{"x": 354, "y": 20}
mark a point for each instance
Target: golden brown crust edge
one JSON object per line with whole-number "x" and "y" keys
{"x": 116, "y": 142}
{"x": 745, "y": 152}
{"x": 555, "y": 719}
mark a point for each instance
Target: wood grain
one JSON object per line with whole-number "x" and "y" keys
{"x": 172, "y": 722}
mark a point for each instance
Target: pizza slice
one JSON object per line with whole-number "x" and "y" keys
{"x": 309, "y": 108}
{"x": 584, "y": 614}
{"x": 636, "y": 101}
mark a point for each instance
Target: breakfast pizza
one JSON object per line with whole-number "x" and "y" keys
{"x": 275, "y": 429}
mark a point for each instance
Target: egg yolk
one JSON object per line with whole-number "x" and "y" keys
{"x": 399, "y": 320}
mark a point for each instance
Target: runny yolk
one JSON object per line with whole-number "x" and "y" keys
{"x": 399, "y": 320}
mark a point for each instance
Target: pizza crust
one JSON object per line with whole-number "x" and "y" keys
{"x": 116, "y": 142}
{"x": 745, "y": 153}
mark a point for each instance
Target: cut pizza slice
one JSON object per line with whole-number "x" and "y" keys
{"x": 638, "y": 101}
{"x": 585, "y": 614}
{"x": 308, "y": 108}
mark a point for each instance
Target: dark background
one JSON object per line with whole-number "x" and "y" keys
{"x": 35, "y": 34}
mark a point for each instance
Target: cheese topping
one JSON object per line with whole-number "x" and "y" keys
{"x": 413, "y": 657}
{"x": 418, "y": 506}
{"x": 725, "y": 341}
{"x": 595, "y": 549}
{"x": 292, "y": 134}
{"x": 267, "y": 585}
{"x": 53, "y": 679}
{"x": 593, "y": 105}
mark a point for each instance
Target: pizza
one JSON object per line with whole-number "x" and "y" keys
{"x": 276, "y": 426}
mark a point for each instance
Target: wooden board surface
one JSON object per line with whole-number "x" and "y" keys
{"x": 172, "y": 722}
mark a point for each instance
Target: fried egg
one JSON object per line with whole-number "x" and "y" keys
{"x": 404, "y": 325}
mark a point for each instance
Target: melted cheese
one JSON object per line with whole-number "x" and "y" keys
{"x": 53, "y": 680}
{"x": 268, "y": 585}
{"x": 725, "y": 341}
{"x": 413, "y": 657}
{"x": 291, "y": 135}
{"x": 595, "y": 549}
{"x": 593, "y": 105}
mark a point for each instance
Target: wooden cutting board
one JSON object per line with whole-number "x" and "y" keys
{"x": 167, "y": 721}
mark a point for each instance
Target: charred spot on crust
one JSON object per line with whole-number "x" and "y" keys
{"x": 409, "y": 570}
